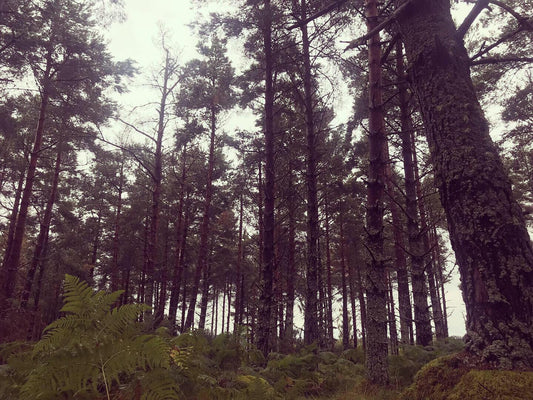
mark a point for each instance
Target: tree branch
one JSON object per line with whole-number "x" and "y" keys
{"x": 317, "y": 15}
{"x": 498, "y": 60}
{"x": 391, "y": 18}
{"x": 524, "y": 21}
{"x": 130, "y": 152}
{"x": 137, "y": 129}
{"x": 485, "y": 50}
{"x": 470, "y": 18}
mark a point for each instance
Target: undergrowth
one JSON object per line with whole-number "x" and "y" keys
{"x": 99, "y": 351}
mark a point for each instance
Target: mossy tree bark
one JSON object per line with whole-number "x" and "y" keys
{"x": 487, "y": 228}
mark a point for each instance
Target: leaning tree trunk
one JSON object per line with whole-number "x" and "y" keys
{"x": 487, "y": 228}
{"x": 376, "y": 282}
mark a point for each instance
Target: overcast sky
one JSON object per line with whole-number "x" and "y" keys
{"x": 138, "y": 37}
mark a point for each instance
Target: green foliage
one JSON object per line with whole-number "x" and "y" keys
{"x": 447, "y": 378}
{"x": 95, "y": 350}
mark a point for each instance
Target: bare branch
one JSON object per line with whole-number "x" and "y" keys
{"x": 136, "y": 129}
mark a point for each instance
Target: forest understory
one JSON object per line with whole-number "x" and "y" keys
{"x": 238, "y": 232}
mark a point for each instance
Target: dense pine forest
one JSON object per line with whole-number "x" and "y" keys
{"x": 283, "y": 219}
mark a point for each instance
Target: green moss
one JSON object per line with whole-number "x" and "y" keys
{"x": 501, "y": 385}
{"x": 435, "y": 380}
{"x": 447, "y": 379}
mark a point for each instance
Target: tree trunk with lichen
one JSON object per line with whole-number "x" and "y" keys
{"x": 487, "y": 228}
{"x": 376, "y": 282}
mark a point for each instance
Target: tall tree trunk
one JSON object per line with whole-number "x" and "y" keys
{"x": 43, "y": 232}
{"x": 421, "y": 309}
{"x": 311, "y": 302}
{"x": 362, "y": 305}
{"x": 14, "y": 213}
{"x": 115, "y": 272}
{"x": 329, "y": 288}
{"x": 177, "y": 273}
{"x": 265, "y": 329}
{"x": 345, "y": 318}
{"x": 182, "y": 261}
{"x": 430, "y": 263}
{"x": 157, "y": 176}
{"x": 11, "y": 260}
{"x": 291, "y": 264}
{"x": 353, "y": 296}
{"x": 201, "y": 262}
{"x": 376, "y": 282}
{"x": 393, "y": 336}
{"x": 238, "y": 272}
{"x": 487, "y": 228}
{"x": 404, "y": 299}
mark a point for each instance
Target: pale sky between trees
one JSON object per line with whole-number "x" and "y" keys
{"x": 138, "y": 38}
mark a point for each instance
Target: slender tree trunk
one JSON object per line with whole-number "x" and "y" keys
{"x": 13, "y": 217}
{"x": 329, "y": 308}
{"x": 291, "y": 265}
{"x": 487, "y": 228}
{"x": 201, "y": 263}
{"x": 376, "y": 283}
{"x": 311, "y": 333}
{"x": 392, "y": 319}
{"x": 157, "y": 176}
{"x": 238, "y": 272}
{"x": 265, "y": 329}
{"x": 404, "y": 299}
{"x": 430, "y": 263}
{"x": 43, "y": 232}
{"x": 362, "y": 305}
{"x": 182, "y": 261}
{"x": 353, "y": 296}
{"x": 115, "y": 272}
{"x": 10, "y": 265}
{"x": 178, "y": 265}
{"x": 421, "y": 308}
{"x": 345, "y": 318}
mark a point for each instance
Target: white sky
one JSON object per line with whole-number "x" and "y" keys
{"x": 138, "y": 37}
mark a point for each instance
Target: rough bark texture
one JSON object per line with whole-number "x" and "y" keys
{"x": 486, "y": 225}
{"x": 265, "y": 329}
{"x": 376, "y": 282}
